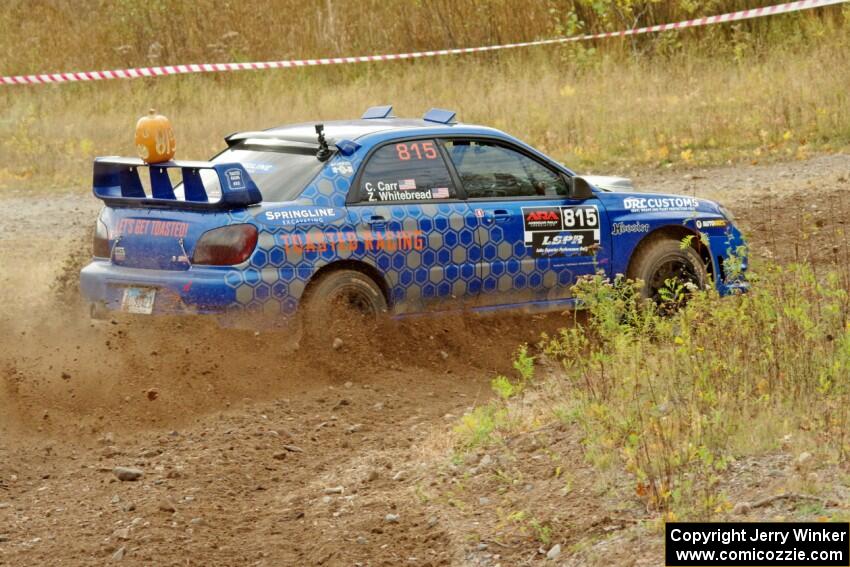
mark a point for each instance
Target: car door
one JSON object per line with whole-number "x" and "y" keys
{"x": 405, "y": 203}
{"x": 535, "y": 241}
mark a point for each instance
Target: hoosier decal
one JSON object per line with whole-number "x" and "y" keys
{"x": 619, "y": 228}
{"x": 561, "y": 231}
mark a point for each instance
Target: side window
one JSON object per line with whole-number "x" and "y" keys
{"x": 406, "y": 171}
{"x": 490, "y": 170}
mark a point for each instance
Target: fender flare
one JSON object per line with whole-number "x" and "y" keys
{"x": 673, "y": 232}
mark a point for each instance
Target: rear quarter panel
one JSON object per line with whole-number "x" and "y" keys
{"x": 296, "y": 239}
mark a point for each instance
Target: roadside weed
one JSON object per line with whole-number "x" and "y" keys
{"x": 673, "y": 400}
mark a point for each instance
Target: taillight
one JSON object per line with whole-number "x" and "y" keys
{"x": 100, "y": 244}
{"x": 225, "y": 246}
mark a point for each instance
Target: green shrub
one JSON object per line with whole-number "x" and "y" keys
{"x": 681, "y": 396}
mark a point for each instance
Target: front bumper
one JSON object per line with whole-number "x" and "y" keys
{"x": 729, "y": 273}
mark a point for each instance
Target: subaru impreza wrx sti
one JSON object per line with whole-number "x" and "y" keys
{"x": 385, "y": 214}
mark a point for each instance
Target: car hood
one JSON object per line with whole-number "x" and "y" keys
{"x": 611, "y": 184}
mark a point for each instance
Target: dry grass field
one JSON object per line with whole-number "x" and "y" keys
{"x": 747, "y": 92}
{"x": 65, "y": 34}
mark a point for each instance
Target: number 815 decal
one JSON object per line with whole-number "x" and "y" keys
{"x": 582, "y": 216}
{"x": 416, "y": 150}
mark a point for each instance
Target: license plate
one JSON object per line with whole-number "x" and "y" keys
{"x": 138, "y": 300}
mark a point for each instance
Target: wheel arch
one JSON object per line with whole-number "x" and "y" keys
{"x": 364, "y": 268}
{"x": 672, "y": 232}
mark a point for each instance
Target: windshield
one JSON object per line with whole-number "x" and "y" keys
{"x": 281, "y": 172}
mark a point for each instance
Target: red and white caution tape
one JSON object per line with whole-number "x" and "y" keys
{"x": 139, "y": 72}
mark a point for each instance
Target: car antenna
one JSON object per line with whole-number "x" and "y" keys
{"x": 324, "y": 151}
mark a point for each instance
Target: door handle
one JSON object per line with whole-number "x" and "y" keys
{"x": 377, "y": 221}
{"x": 501, "y": 215}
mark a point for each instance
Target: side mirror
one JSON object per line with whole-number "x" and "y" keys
{"x": 580, "y": 188}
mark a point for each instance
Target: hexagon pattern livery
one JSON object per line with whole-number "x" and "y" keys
{"x": 502, "y": 234}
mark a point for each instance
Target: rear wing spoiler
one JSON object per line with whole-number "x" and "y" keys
{"x": 117, "y": 182}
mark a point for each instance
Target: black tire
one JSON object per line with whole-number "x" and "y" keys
{"x": 663, "y": 260}
{"x": 340, "y": 304}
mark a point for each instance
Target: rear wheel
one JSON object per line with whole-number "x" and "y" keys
{"x": 670, "y": 273}
{"x": 342, "y": 305}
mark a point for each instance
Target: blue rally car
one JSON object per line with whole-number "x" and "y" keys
{"x": 385, "y": 214}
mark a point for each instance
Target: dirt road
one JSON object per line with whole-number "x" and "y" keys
{"x": 255, "y": 453}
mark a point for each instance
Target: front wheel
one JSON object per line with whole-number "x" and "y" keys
{"x": 340, "y": 305}
{"x": 670, "y": 273}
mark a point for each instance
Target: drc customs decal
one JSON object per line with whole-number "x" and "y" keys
{"x": 291, "y": 216}
{"x": 552, "y": 232}
{"x": 660, "y": 204}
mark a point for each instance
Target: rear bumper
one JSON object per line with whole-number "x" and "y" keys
{"x": 197, "y": 291}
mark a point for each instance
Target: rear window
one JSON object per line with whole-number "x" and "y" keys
{"x": 281, "y": 172}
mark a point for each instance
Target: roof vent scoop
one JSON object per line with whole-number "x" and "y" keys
{"x": 377, "y": 112}
{"x": 440, "y": 116}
